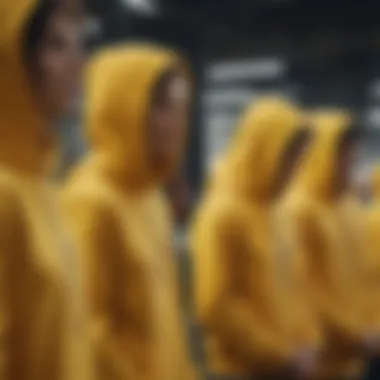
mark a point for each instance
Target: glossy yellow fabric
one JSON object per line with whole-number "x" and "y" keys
{"x": 122, "y": 223}
{"x": 373, "y": 228}
{"x": 42, "y": 316}
{"x": 367, "y": 262}
{"x": 238, "y": 280}
{"x": 324, "y": 230}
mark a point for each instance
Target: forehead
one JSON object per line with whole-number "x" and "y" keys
{"x": 68, "y": 14}
{"x": 178, "y": 87}
{"x": 65, "y": 22}
{"x": 172, "y": 86}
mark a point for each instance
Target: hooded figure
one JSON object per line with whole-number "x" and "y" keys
{"x": 320, "y": 213}
{"x": 42, "y": 316}
{"x": 238, "y": 278}
{"x": 122, "y": 222}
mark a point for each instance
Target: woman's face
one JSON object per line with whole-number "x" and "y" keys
{"x": 57, "y": 63}
{"x": 169, "y": 119}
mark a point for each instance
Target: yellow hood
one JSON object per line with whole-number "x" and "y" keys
{"x": 375, "y": 182}
{"x": 23, "y": 144}
{"x": 317, "y": 171}
{"x": 263, "y": 134}
{"x": 119, "y": 86}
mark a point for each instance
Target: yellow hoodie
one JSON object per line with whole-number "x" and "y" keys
{"x": 42, "y": 318}
{"x": 375, "y": 188}
{"x": 238, "y": 279}
{"x": 122, "y": 224}
{"x": 373, "y": 228}
{"x": 325, "y": 232}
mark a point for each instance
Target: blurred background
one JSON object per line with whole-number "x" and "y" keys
{"x": 319, "y": 53}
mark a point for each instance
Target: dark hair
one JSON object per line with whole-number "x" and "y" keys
{"x": 304, "y": 133}
{"x": 352, "y": 134}
{"x": 36, "y": 26}
{"x": 300, "y": 138}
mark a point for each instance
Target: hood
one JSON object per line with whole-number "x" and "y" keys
{"x": 119, "y": 86}
{"x": 263, "y": 135}
{"x": 23, "y": 142}
{"x": 317, "y": 171}
{"x": 375, "y": 182}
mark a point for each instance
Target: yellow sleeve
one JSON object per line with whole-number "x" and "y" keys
{"x": 327, "y": 284}
{"x": 100, "y": 243}
{"x": 187, "y": 370}
{"x": 306, "y": 321}
{"x": 221, "y": 286}
{"x": 14, "y": 269}
{"x": 372, "y": 275}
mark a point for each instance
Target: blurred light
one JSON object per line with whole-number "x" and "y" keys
{"x": 375, "y": 88}
{"x": 220, "y": 121}
{"x": 237, "y": 98}
{"x": 373, "y": 117}
{"x": 264, "y": 68}
{"x": 143, "y": 7}
{"x": 230, "y": 97}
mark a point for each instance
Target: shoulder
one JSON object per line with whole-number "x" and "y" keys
{"x": 89, "y": 205}
{"x": 87, "y": 192}
{"x": 300, "y": 207}
{"x": 302, "y": 216}
{"x": 221, "y": 213}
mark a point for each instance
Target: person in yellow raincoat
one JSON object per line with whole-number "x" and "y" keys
{"x": 136, "y": 115}
{"x": 42, "y": 314}
{"x": 238, "y": 278}
{"x": 320, "y": 213}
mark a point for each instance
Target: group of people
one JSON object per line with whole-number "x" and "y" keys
{"x": 286, "y": 275}
{"x": 286, "y": 257}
